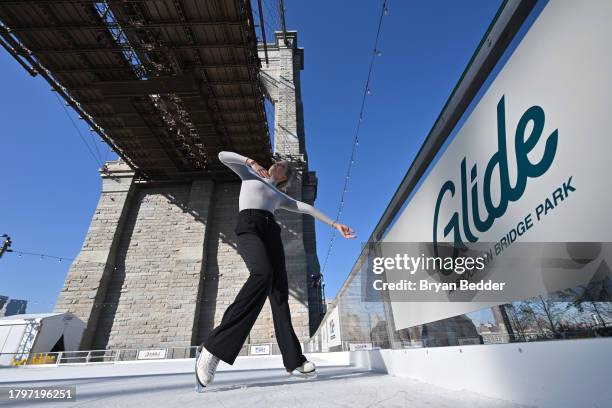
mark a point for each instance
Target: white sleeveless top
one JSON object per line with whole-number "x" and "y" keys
{"x": 261, "y": 193}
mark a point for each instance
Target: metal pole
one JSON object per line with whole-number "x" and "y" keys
{"x": 6, "y": 245}
{"x": 263, "y": 30}
{"x": 282, "y": 12}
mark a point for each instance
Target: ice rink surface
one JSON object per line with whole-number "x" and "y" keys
{"x": 339, "y": 386}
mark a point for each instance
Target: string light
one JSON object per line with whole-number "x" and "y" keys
{"x": 51, "y": 257}
{"x": 128, "y": 303}
{"x": 77, "y": 263}
{"x": 366, "y": 91}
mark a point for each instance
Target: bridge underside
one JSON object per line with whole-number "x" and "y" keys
{"x": 166, "y": 83}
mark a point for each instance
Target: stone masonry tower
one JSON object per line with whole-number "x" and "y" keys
{"x": 159, "y": 265}
{"x": 281, "y": 79}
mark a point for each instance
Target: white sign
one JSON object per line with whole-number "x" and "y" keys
{"x": 323, "y": 335}
{"x": 360, "y": 346}
{"x": 536, "y": 146}
{"x": 333, "y": 329}
{"x": 151, "y": 354}
{"x": 258, "y": 350}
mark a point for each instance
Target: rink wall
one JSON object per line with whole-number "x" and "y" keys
{"x": 52, "y": 372}
{"x": 559, "y": 374}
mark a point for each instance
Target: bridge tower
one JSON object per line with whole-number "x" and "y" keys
{"x": 159, "y": 266}
{"x": 281, "y": 79}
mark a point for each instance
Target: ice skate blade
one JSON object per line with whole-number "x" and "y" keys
{"x": 295, "y": 374}
{"x": 199, "y": 388}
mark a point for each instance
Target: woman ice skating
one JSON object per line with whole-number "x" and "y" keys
{"x": 259, "y": 243}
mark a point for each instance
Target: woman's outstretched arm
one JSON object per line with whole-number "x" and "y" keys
{"x": 298, "y": 206}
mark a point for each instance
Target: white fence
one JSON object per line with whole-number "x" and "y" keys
{"x": 113, "y": 356}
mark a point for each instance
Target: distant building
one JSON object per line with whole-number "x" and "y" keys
{"x": 3, "y": 302}
{"x": 11, "y": 307}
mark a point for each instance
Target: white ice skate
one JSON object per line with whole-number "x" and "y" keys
{"x": 306, "y": 371}
{"x": 205, "y": 367}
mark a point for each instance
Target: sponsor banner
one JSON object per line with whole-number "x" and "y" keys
{"x": 151, "y": 354}
{"x": 333, "y": 329}
{"x": 324, "y": 345}
{"x": 360, "y": 346}
{"x": 534, "y": 150}
{"x": 260, "y": 350}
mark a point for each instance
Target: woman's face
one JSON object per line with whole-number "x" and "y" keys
{"x": 278, "y": 171}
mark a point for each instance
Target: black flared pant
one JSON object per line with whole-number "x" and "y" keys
{"x": 261, "y": 247}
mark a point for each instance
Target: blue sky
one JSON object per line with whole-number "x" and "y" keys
{"x": 50, "y": 185}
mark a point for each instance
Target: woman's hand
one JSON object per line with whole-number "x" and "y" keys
{"x": 258, "y": 168}
{"x": 344, "y": 230}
